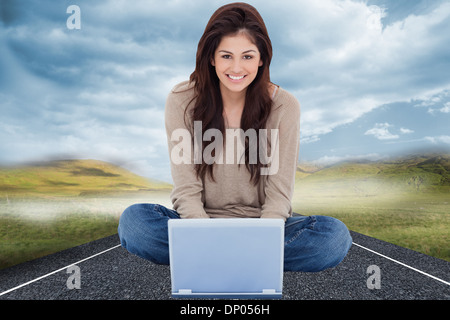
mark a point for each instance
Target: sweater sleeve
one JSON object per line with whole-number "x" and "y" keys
{"x": 279, "y": 186}
{"x": 186, "y": 195}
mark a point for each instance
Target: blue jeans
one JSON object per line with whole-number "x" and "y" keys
{"x": 312, "y": 243}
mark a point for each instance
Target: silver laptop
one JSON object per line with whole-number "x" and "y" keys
{"x": 226, "y": 258}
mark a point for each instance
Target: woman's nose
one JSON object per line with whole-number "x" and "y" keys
{"x": 236, "y": 68}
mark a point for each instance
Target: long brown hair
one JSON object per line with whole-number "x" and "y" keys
{"x": 229, "y": 20}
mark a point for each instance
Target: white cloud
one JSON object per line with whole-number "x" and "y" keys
{"x": 406, "y": 131}
{"x": 329, "y": 160}
{"x": 309, "y": 139}
{"x": 346, "y": 67}
{"x": 439, "y": 139}
{"x": 381, "y": 132}
{"x": 435, "y": 102}
{"x": 446, "y": 108}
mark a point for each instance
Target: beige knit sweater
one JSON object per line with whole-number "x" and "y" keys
{"x": 232, "y": 194}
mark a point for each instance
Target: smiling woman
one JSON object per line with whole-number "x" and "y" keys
{"x": 230, "y": 88}
{"x": 232, "y": 77}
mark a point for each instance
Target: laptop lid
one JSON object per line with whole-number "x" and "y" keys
{"x": 226, "y": 258}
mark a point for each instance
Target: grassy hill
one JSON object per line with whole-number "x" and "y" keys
{"x": 405, "y": 201}
{"x": 72, "y": 178}
{"x": 424, "y": 172}
{"x": 50, "y": 206}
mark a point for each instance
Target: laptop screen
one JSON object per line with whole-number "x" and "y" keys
{"x": 226, "y": 257}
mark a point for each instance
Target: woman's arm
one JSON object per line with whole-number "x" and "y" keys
{"x": 279, "y": 187}
{"x": 187, "y": 191}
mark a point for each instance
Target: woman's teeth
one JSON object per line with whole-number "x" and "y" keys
{"x": 235, "y": 78}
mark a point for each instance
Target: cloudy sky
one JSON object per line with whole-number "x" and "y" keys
{"x": 372, "y": 76}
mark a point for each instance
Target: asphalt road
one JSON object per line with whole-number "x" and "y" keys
{"x": 373, "y": 270}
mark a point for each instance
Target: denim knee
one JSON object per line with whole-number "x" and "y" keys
{"x": 317, "y": 243}
{"x": 143, "y": 231}
{"x": 131, "y": 226}
{"x": 336, "y": 243}
{"x": 126, "y": 223}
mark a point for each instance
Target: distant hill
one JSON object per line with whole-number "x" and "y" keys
{"x": 73, "y": 177}
{"x": 405, "y": 201}
{"x": 428, "y": 172}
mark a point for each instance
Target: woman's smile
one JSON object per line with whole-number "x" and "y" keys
{"x": 235, "y": 78}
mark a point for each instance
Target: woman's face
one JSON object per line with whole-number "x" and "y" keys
{"x": 236, "y": 60}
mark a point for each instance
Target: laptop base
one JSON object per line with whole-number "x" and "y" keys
{"x": 252, "y": 295}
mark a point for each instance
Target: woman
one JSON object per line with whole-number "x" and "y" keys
{"x": 230, "y": 97}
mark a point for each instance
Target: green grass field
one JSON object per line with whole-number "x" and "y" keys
{"x": 420, "y": 222}
{"x": 48, "y": 207}
{"x": 53, "y": 206}
{"x": 405, "y": 202}
{"x": 23, "y": 239}
{"x": 35, "y": 227}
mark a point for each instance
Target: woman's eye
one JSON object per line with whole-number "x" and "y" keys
{"x": 226, "y": 56}
{"x": 248, "y": 57}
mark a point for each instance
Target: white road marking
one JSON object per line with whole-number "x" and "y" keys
{"x": 53, "y": 272}
{"x": 405, "y": 265}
